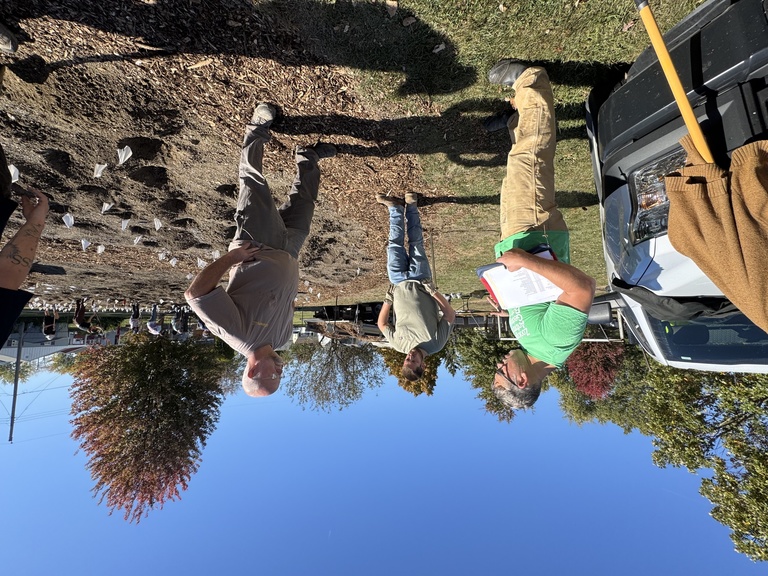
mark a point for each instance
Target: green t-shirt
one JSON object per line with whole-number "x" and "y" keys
{"x": 547, "y": 331}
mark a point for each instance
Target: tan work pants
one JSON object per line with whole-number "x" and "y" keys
{"x": 528, "y": 189}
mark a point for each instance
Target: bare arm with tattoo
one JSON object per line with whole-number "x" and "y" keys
{"x": 18, "y": 254}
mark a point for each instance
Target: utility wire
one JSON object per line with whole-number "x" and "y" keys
{"x": 38, "y": 395}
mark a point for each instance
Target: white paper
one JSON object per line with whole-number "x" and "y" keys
{"x": 99, "y": 170}
{"x": 123, "y": 154}
{"x": 216, "y": 254}
{"x": 14, "y": 172}
{"x": 106, "y": 206}
{"x": 84, "y": 244}
{"x": 201, "y": 263}
{"x": 138, "y": 239}
{"x": 162, "y": 256}
{"x": 68, "y": 219}
{"x": 173, "y": 262}
{"x": 100, "y": 249}
{"x": 158, "y": 224}
{"x": 189, "y": 276}
{"x": 124, "y": 223}
{"x": 520, "y": 288}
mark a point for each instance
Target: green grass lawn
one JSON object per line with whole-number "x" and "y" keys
{"x": 579, "y": 42}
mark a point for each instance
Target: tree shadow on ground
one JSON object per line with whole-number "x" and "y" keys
{"x": 458, "y": 132}
{"x": 563, "y": 198}
{"x": 360, "y": 35}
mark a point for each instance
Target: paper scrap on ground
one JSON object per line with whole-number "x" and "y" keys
{"x": 201, "y": 263}
{"x": 14, "y": 172}
{"x": 190, "y": 276}
{"x": 99, "y": 170}
{"x": 106, "y": 206}
{"x": 158, "y": 224}
{"x": 84, "y": 244}
{"x": 174, "y": 261}
{"x": 138, "y": 239}
{"x": 123, "y": 154}
{"x": 216, "y": 254}
{"x": 125, "y": 222}
{"x": 68, "y": 219}
{"x": 100, "y": 249}
{"x": 162, "y": 256}
{"x": 439, "y": 48}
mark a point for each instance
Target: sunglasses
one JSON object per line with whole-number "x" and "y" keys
{"x": 506, "y": 378}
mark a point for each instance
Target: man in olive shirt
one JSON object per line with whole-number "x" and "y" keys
{"x": 254, "y": 315}
{"x": 418, "y": 330}
{"x": 549, "y": 332}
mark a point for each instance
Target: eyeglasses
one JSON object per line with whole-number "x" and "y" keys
{"x": 505, "y": 377}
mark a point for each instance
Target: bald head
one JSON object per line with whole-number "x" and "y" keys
{"x": 258, "y": 388}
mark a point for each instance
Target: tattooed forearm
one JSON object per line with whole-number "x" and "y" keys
{"x": 33, "y": 230}
{"x": 13, "y": 253}
{"x": 18, "y": 254}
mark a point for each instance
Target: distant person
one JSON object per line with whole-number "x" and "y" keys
{"x": 19, "y": 252}
{"x": 79, "y": 320}
{"x": 418, "y": 329}
{"x": 180, "y": 322}
{"x": 547, "y": 333}
{"x": 135, "y": 320}
{"x": 49, "y": 323}
{"x": 155, "y": 324}
{"x": 254, "y": 315}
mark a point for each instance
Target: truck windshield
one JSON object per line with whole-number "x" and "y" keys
{"x": 727, "y": 340}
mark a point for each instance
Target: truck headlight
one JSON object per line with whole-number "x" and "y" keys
{"x": 647, "y": 185}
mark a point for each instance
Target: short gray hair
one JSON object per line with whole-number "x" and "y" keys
{"x": 518, "y": 398}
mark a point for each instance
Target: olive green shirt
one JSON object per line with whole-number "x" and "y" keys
{"x": 417, "y": 320}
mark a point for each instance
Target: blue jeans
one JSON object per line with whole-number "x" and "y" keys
{"x": 413, "y": 264}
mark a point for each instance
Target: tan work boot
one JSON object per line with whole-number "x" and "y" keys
{"x": 412, "y": 198}
{"x": 389, "y": 201}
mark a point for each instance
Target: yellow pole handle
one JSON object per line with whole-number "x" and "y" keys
{"x": 657, "y": 41}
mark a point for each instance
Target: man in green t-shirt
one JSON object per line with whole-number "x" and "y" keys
{"x": 550, "y": 331}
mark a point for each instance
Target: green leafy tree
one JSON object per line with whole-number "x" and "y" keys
{"x": 477, "y": 353}
{"x": 62, "y": 363}
{"x": 331, "y": 377}
{"x": 8, "y": 371}
{"x": 142, "y": 412}
{"x": 698, "y": 420}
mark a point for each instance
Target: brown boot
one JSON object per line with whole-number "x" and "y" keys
{"x": 412, "y": 198}
{"x": 389, "y": 201}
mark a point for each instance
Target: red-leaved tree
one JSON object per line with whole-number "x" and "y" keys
{"x": 142, "y": 413}
{"x": 593, "y": 367}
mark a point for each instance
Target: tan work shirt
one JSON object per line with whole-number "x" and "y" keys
{"x": 257, "y": 306}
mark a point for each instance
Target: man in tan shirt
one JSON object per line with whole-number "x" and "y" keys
{"x": 254, "y": 315}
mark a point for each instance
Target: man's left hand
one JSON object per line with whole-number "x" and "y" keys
{"x": 244, "y": 253}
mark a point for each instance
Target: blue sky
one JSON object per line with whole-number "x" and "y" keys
{"x": 391, "y": 485}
